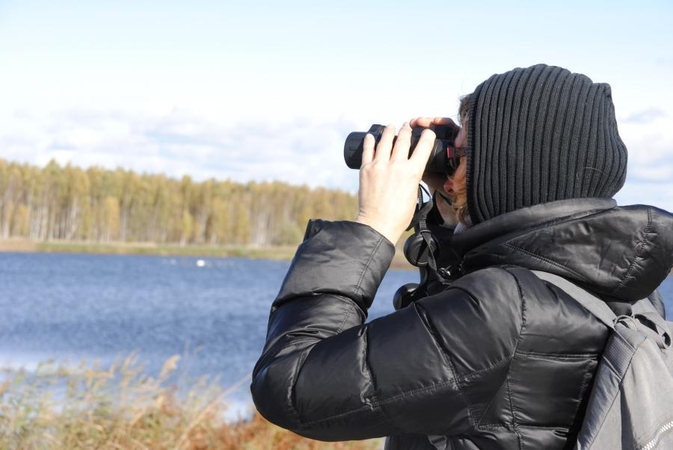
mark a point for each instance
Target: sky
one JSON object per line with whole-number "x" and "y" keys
{"x": 264, "y": 90}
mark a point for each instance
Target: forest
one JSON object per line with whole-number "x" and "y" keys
{"x": 99, "y": 205}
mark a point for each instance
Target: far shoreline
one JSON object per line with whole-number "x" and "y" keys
{"x": 276, "y": 253}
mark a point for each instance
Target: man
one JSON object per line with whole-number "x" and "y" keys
{"x": 497, "y": 359}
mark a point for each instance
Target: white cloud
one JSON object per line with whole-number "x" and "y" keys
{"x": 656, "y": 194}
{"x": 646, "y": 116}
{"x": 298, "y": 151}
{"x": 650, "y": 144}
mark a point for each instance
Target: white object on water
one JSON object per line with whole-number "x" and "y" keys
{"x": 200, "y": 263}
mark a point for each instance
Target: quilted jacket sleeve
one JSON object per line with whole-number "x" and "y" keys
{"x": 326, "y": 374}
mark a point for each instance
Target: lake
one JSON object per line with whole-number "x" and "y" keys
{"x": 212, "y": 311}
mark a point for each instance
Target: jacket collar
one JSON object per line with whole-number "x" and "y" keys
{"x": 620, "y": 252}
{"x": 526, "y": 218}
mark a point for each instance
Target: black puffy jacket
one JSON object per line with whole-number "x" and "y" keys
{"x": 498, "y": 360}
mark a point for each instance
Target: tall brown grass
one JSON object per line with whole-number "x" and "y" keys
{"x": 61, "y": 406}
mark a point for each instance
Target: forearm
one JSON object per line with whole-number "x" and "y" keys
{"x": 327, "y": 375}
{"x": 328, "y": 289}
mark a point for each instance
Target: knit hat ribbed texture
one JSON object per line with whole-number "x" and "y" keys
{"x": 541, "y": 134}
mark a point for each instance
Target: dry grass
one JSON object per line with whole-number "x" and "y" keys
{"x": 147, "y": 248}
{"x": 86, "y": 407}
{"x": 18, "y": 245}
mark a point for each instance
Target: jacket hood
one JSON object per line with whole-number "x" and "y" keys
{"x": 620, "y": 252}
{"x": 541, "y": 134}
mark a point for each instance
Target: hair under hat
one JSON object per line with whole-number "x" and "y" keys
{"x": 541, "y": 134}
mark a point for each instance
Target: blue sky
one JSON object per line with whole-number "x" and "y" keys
{"x": 269, "y": 90}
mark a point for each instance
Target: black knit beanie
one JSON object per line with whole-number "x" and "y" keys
{"x": 541, "y": 134}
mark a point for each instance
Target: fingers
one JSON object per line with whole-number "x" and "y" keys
{"x": 386, "y": 143}
{"x": 403, "y": 142}
{"x": 389, "y": 180}
{"x": 367, "y": 149}
{"x": 385, "y": 150}
{"x": 371, "y": 151}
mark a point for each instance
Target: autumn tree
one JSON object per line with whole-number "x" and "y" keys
{"x": 95, "y": 204}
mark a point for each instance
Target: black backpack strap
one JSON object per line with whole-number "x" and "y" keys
{"x": 593, "y": 304}
{"x": 642, "y": 309}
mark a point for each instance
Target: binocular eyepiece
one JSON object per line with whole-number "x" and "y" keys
{"x": 443, "y": 158}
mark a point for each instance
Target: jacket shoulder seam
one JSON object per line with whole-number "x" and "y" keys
{"x": 513, "y": 408}
{"x": 561, "y": 356}
{"x": 638, "y": 252}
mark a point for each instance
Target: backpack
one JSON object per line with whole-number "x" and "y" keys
{"x": 631, "y": 402}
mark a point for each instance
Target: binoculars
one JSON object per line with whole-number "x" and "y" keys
{"x": 444, "y": 157}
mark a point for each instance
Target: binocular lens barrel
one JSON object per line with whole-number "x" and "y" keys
{"x": 437, "y": 163}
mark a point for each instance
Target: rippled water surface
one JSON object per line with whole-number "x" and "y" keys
{"x": 213, "y": 312}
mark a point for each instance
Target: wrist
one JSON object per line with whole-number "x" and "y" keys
{"x": 380, "y": 227}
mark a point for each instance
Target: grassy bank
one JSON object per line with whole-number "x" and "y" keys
{"x": 121, "y": 407}
{"x": 138, "y": 248}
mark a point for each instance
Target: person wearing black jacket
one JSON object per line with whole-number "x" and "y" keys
{"x": 497, "y": 358}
